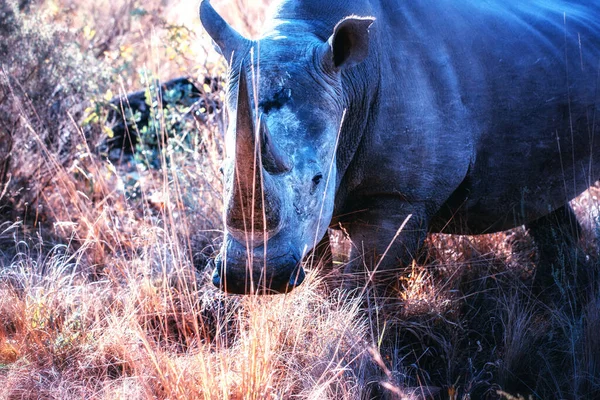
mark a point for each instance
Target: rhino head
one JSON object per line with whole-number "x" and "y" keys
{"x": 285, "y": 106}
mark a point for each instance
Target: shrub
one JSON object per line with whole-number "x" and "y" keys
{"x": 45, "y": 81}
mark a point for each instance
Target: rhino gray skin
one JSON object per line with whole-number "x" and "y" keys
{"x": 463, "y": 117}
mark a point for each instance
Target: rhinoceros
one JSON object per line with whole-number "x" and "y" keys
{"x": 395, "y": 118}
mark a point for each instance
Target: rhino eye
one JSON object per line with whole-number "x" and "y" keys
{"x": 317, "y": 179}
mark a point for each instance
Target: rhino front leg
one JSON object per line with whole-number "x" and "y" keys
{"x": 385, "y": 239}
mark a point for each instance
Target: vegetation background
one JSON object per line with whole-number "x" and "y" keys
{"x": 103, "y": 290}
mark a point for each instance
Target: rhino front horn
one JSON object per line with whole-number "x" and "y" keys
{"x": 227, "y": 39}
{"x": 255, "y": 202}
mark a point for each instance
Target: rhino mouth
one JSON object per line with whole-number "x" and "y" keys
{"x": 233, "y": 274}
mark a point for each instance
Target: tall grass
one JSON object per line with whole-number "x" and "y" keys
{"x": 65, "y": 337}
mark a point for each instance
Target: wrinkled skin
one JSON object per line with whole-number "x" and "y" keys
{"x": 462, "y": 117}
{"x": 301, "y": 191}
{"x": 305, "y": 131}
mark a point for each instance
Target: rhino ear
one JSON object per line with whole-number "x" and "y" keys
{"x": 349, "y": 44}
{"x": 227, "y": 39}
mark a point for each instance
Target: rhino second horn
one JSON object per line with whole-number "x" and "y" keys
{"x": 273, "y": 160}
{"x": 255, "y": 204}
{"x": 227, "y": 38}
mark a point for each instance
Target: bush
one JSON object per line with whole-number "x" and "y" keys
{"x": 45, "y": 81}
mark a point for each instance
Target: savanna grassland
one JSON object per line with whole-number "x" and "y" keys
{"x": 104, "y": 292}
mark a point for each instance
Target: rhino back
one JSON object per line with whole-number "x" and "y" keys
{"x": 484, "y": 110}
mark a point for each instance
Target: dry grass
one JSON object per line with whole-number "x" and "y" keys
{"x": 103, "y": 294}
{"x": 65, "y": 337}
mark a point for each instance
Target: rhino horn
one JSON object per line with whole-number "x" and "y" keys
{"x": 227, "y": 38}
{"x": 245, "y": 148}
{"x": 255, "y": 202}
{"x": 273, "y": 160}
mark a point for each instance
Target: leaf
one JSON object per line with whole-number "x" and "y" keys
{"x": 108, "y": 131}
{"x": 108, "y": 95}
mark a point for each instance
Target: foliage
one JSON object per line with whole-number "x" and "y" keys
{"x": 44, "y": 86}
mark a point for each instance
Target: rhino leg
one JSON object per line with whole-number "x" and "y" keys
{"x": 385, "y": 240}
{"x": 556, "y": 236}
